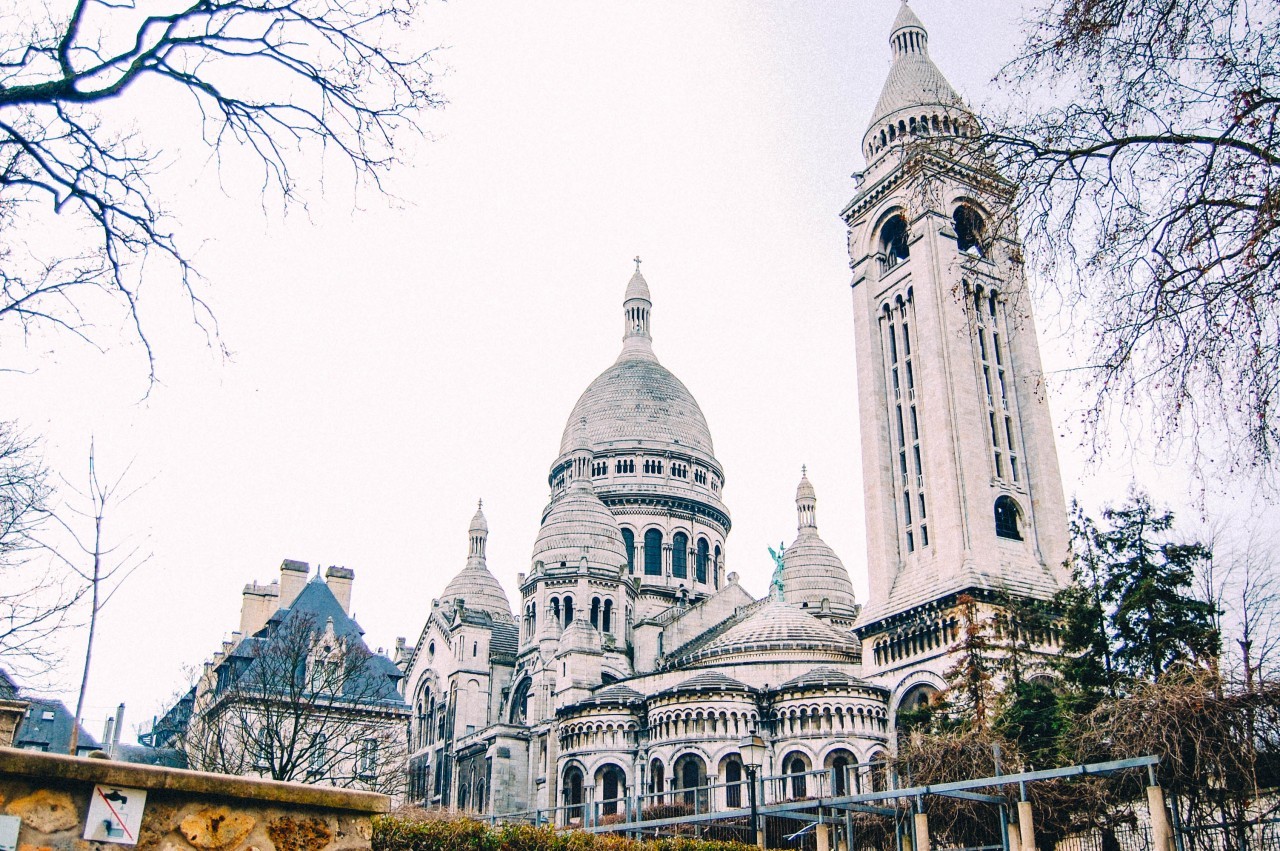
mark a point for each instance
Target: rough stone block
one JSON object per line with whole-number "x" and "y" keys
{"x": 216, "y": 827}
{"x": 290, "y": 834}
{"x": 46, "y": 810}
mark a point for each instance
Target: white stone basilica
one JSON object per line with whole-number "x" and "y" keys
{"x": 633, "y": 662}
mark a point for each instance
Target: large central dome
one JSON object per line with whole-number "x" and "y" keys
{"x": 637, "y": 401}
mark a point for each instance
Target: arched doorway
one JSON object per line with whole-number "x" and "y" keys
{"x": 612, "y": 783}
{"x": 797, "y": 766}
{"x": 843, "y": 780}
{"x": 573, "y": 795}
{"x": 732, "y": 772}
{"x": 691, "y": 775}
{"x": 657, "y": 781}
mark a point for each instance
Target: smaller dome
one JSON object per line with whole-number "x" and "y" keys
{"x": 812, "y": 572}
{"x": 478, "y": 589}
{"x": 637, "y": 287}
{"x": 478, "y": 523}
{"x": 578, "y": 524}
{"x": 805, "y": 489}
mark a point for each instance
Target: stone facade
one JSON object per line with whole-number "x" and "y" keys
{"x": 185, "y": 810}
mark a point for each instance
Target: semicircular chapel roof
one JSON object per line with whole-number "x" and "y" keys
{"x": 776, "y": 625}
{"x": 708, "y": 681}
{"x": 821, "y": 677}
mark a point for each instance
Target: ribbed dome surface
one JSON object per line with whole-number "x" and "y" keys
{"x": 479, "y": 589}
{"x": 778, "y": 625}
{"x": 821, "y": 678}
{"x": 914, "y": 81}
{"x": 579, "y": 524}
{"x": 811, "y": 571}
{"x": 708, "y": 681}
{"x": 638, "y": 399}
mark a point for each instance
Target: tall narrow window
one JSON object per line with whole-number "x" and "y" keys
{"x": 653, "y": 553}
{"x": 704, "y": 556}
{"x": 629, "y": 544}
{"x": 905, "y": 422}
{"x": 680, "y": 555}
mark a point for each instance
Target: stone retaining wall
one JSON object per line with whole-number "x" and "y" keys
{"x": 185, "y": 810}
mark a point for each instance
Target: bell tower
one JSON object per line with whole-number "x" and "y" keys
{"x": 963, "y": 492}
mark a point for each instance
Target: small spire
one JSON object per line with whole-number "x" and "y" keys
{"x": 637, "y": 308}
{"x": 806, "y": 502}
{"x": 477, "y": 535}
{"x": 580, "y": 464}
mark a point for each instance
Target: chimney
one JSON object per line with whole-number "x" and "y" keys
{"x": 339, "y": 580}
{"x": 115, "y": 737}
{"x": 293, "y": 578}
{"x": 258, "y": 604}
{"x": 106, "y": 731}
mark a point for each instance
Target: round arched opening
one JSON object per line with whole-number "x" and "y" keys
{"x": 1008, "y": 518}
{"x": 893, "y": 240}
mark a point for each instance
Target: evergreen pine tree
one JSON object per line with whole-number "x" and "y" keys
{"x": 1155, "y": 617}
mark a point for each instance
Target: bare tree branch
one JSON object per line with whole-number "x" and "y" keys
{"x": 274, "y": 78}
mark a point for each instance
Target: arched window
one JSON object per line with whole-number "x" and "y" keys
{"x": 568, "y": 610}
{"x": 1008, "y": 519}
{"x": 680, "y": 555}
{"x": 704, "y": 556}
{"x": 970, "y": 231}
{"x": 319, "y": 755}
{"x": 629, "y": 544}
{"x": 893, "y": 241}
{"x": 520, "y": 702}
{"x": 606, "y": 622}
{"x": 555, "y": 609}
{"x": 653, "y": 553}
{"x": 595, "y": 612}
{"x": 715, "y": 568}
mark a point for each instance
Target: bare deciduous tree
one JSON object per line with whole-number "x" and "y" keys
{"x": 101, "y": 561}
{"x": 35, "y": 602}
{"x": 301, "y": 702}
{"x": 1146, "y": 151}
{"x": 276, "y": 79}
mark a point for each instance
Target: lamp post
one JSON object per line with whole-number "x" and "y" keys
{"x": 752, "y": 750}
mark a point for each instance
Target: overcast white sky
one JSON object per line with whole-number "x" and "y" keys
{"x": 394, "y": 363}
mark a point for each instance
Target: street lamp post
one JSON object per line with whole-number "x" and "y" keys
{"x": 752, "y": 750}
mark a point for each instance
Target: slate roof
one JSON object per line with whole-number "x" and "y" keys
{"x": 53, "y": 734}
{"x": 376, "y": 685}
